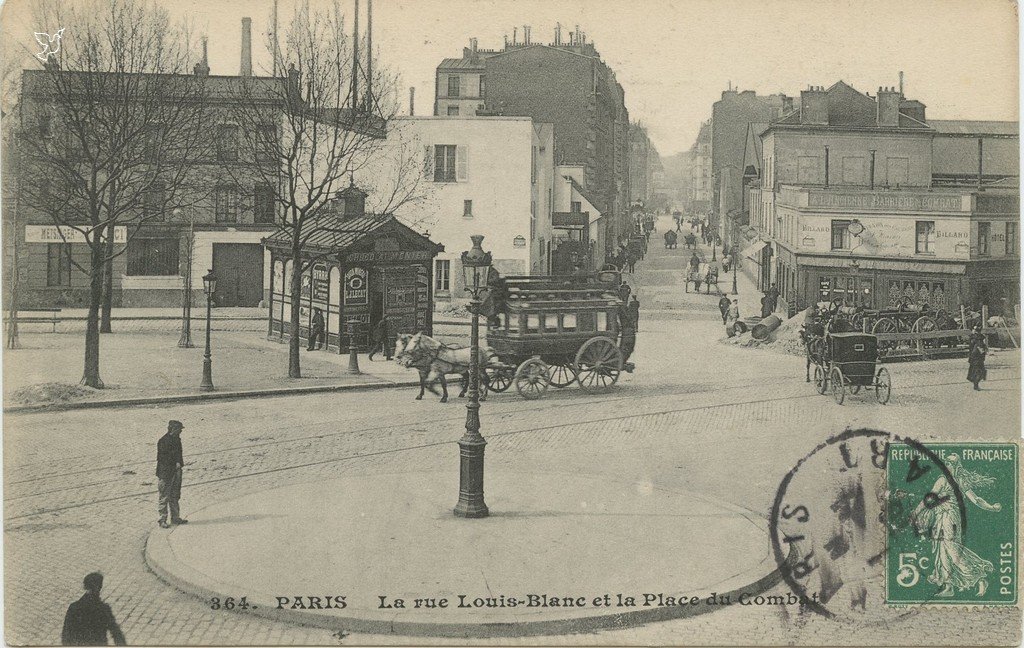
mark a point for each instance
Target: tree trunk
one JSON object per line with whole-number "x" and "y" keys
{"x": 108, "y": 281}
{"x": 294, "y": 370}
{"x": 91, "y": 375}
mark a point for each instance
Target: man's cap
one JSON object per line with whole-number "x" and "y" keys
{"x": 175, "y": 425}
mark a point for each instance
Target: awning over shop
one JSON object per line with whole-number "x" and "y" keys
{"x": 752, "y": 250}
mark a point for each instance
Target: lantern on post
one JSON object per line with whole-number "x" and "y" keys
{"x": 209, "y": 288}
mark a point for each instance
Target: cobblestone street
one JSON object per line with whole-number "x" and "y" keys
{"x": 728, "y": 422}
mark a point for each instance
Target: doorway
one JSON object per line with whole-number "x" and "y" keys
{"x": 239, "y": 270}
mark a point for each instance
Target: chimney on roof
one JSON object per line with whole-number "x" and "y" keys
{"x": 202, "y": 68}
{"x": 353, "y": 201}
{"x": 515, "y": 36}
{"x": 888, "y": 107}
{"x": 412, "y": 102}
{"x": 814, "y": 107}
{"x": 246, "y": 69}
{"x": 526, "y": 34}
{"x": 472, "y": 46}
{"x": 901, "y": 81}
{"x": 558, "y": 33}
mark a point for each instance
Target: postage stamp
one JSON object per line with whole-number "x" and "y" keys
{"x": 944, "y": 549}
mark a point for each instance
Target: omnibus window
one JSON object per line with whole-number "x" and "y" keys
{"x": 587, "y": 321}
{"x": 513, "y": 323}
{"x": 551, "y": 323}
{"x": 569, "y": 322}
{"x": 532, "y": 323}
{"x": 602, "y": 321}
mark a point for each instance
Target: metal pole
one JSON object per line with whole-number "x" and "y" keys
{"x": 207, "y": 384}
{"x": 185, "y": 341}
{"x": 471, "y": 445}
{"x": 735, "y": 262}
{"x": 353, "y": 351}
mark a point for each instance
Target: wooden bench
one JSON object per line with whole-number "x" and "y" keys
{"x": 39, "y": 316}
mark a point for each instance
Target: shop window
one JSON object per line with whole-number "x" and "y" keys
{"x": 444, "y": 163}
{"x": 569, "y": 322}
{"x": 984, "y": 235}
{"x": 840, "y": 235}
{"x": 226, "y": 204}
{"x": 153, "y": 257}
{"x": 58, "y": 264}
{"x": 1012, "y": 248}
{"x": 453, "y": 85}
{"x": 453, "y": 111}
{"x": 925, "y": 237}
{"x": 263, "y": 202}
{"x": 442, "y": 274}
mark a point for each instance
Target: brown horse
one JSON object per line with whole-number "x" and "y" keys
{"x": 433, "y": 359}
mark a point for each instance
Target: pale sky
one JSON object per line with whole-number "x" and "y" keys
{"x": 674, "y": 57}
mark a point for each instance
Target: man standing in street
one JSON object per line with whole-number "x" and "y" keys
{"x": 89, "y": 619}
{"x": 634, "y": 313}
{"x": 169, "y": 463}
{"x": 381, "y": 339}
{"x": 732, "y": 318}
{"x": 773, "y": 297}
{"x": 316, "y": 331}
{"x": 723, "y": 306}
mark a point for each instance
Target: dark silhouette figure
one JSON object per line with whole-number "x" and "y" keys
{"x": 316, "y": 331}
{"x": 89, "y": 619}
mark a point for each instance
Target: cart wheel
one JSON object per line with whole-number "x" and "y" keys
{"x": 598, "y": 364}
{"x": 563, "y": 374}
{"x": 531, "y": 378}
{"x": 857, "y": 321}
{"x": 838, "y": 387}
{"x": 885, "y": 325}
{"x": 820, "y": 379}
{"x": 498, "y": 379}
{"x": 924, "y": 325}
{"x": 883, "y": 386}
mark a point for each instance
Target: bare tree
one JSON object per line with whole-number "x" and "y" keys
{"x": 110, "y": 130}
{"x": 322, "y": 132}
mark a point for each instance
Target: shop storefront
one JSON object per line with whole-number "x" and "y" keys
{"x": 361, "y": 268}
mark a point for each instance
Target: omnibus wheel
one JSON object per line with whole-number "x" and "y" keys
{"x": 820, "y": 379}
{"x": 498, "y": 379}
{"x": 532, "y": 379}
{"x": 598, "y": 364}
{"x": 563, "y": 374}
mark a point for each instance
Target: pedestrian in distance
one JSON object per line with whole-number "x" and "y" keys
{"x": 766, "y": 308}
{"x": 976, "y": 371}
{"x": 169, "y": 464}
{"x": 723, "y": 306}
{"x": 732, "y": 318}
{"x": 89, "y": 619}
{"x": 773, "y": 294}
{"x": 631, "y": 260}
{"x": 381, "y": 338}
{"x": 316, "y": 331}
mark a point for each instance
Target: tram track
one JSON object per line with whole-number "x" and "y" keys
{"x": 412, "y": 447}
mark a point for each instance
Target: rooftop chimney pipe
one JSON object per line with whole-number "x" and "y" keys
{"x": 412, "y": 102}
{"x": 246, "y": 69}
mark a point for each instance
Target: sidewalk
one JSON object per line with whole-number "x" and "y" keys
{"x": 139, "y": 368}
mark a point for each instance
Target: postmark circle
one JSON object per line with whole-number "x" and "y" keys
{"x": 833, "y": 514}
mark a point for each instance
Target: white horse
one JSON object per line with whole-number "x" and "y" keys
{"x": 433, "y": 359}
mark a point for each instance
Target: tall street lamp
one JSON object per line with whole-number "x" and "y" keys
{"x": 735, "y": 262}
{"x": 476, "y": 267}
{"x": 209, "y": 286}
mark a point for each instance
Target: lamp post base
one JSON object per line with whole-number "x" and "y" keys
{"x": 207, "y": 384}
{"x": 471, "y": 479}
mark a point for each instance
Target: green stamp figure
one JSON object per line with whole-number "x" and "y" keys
{"x": 952, "y": 529}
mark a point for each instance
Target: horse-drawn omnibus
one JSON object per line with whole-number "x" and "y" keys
{"x": 556, "y": 331}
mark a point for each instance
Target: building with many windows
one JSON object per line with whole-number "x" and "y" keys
{"x": 861, "y": 200}
{"x": 482, "y": 175}
{"x": 564, "y": 83}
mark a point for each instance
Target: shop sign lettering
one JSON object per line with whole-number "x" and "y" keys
{"x": 389, "y": 255}
{"x": 355, "y": 287}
